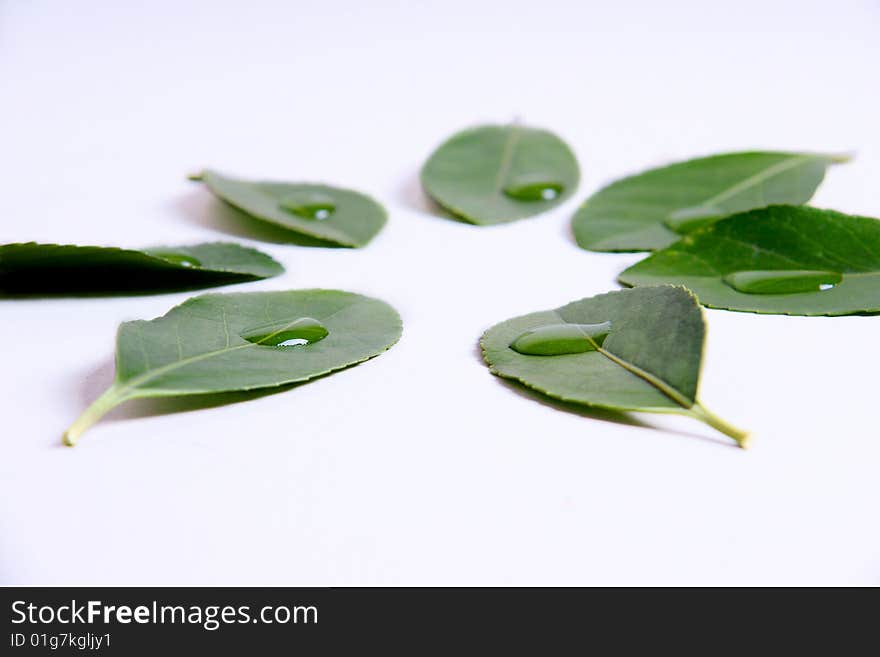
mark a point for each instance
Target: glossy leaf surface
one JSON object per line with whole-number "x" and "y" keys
{"x": 495, "y": 174}
{"x": 790, "y": 260}
{"x": 34, "y": 269}
{"x": 653, "y": 209}
{"x": 332, "y": 214}
{"x": 649, "y": 360}
{"x": 227, "y": 342}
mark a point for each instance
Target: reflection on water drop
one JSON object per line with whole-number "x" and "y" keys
{"x": 534, "y": 188}
{"x": 181, "y": 259}
{"x": 687, "y": 220}
{"x": 308, "y": 205}
{"x": 293, "y": 342}
{"x": 782, "y": 282}
{"x": 299, "y": 332}
{"x": 558, "y": 339}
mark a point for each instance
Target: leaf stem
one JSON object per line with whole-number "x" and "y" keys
{"x": 110, "y": 398}
{"x": 700, "y": 412}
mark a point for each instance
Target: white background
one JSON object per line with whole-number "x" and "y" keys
{"x": 419, "y": 467}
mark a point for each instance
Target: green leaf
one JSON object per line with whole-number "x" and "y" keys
{"x": 653, "y": 209}
{"x": 647, "y": 359}
{"x": 231, "y": 342}
{"x": 32, "y": 268}
{"x": 494, "y": 174}
{"x": 784, "y": 259}
{"x": 331, "y": 214}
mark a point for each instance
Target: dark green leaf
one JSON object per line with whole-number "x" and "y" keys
{"x": 331, "y": 214}
{"x": 653, "y": 209}
{"x": 784, "y": 259}
{"x": 230, "y": 342}
{"x": 648, "y": 359}
{"x": 494, "y": 174}
{"x": 32, "y": 268}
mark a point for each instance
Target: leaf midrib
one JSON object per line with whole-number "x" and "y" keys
{"x": 506, "y": 160}
{"x": 632, "y": 368}
{"x": 136, "y": 382}
{"x": 756, "y": 178}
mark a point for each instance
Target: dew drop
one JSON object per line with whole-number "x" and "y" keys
{"x": 308, "y": 205}
{"x": 687, "y": 220}
{"x": 558, "y": 339}
{"x": 782, "y": 282}
{"x": 299, "y": 332}
{"x": 181, "y": 259}
{"x": 534, "y": 188}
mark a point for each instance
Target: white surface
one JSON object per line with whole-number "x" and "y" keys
{"x": 419, "y": 467}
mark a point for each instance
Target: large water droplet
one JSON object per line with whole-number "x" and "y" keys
{"x": 302, "y": 331}
{"x": 558, "y": 339}
{"x": 308, "y": 205}
{"x": 782, "y": 282}
{"x": 534, "y": 188}
{"x": 181, "y": 259}
{"x": 687, "y": 220}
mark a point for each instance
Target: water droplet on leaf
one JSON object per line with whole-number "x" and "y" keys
{"x": 782, "y": 282}
{"x": 687, "y": 220}
{"x": 558, "y": 339}
{"x": 181, "y": 259}
{"x": 308, "y": 205}
{"x": 298, "y": 332}
{"x": 534, "y": 188}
